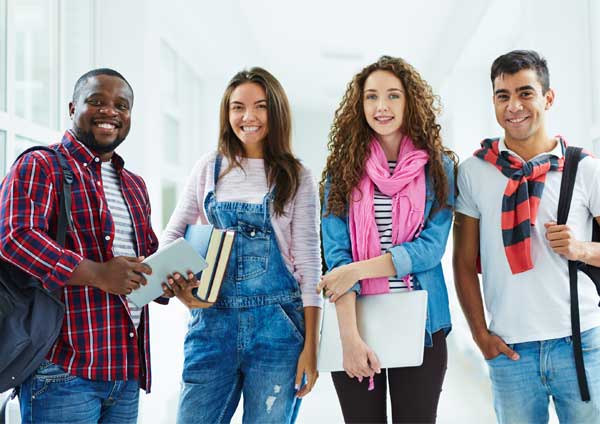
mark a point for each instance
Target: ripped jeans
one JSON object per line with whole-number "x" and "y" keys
{"x": 249, "y": 351}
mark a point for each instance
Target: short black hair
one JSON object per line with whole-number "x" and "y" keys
{"x": 82, "y": 81}
{"x": 517, "y": 60}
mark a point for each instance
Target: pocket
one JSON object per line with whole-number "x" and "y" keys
{"x": 590, "y": 340}
{"x": 293, "y": 314}
{"x": 253, "y": 248}
{"x": 49, "y": 373}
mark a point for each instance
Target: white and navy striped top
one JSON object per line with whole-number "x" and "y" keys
{"x": 383, "y": 219}
{"x": 124, "y": 242}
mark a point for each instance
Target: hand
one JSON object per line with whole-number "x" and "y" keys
{"x": 307, "y": 365}
{"x": 338, "y": 281}
{"x": 491, "y": 346}
{"x": 121, "y": 275}
{"x": 359, "y": 359}
{"x": 562, "y": 241}
{"x": 181, "y": 288}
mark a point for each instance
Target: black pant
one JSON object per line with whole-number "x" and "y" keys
{"x": 415, "y": 391}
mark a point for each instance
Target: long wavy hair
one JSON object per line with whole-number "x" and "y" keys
{"x": 281, "y": 167}
{"x": 350, "y": 135}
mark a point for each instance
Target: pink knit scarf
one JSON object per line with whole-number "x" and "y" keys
{"x": 406, "y": 187}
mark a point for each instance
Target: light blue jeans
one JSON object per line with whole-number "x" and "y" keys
{"x": 51, "y": 395}
{"x": 522, "y": 388}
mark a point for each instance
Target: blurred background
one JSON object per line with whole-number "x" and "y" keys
{"x": 178, "y": 56}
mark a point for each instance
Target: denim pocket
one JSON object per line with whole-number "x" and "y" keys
{"x": 293, "y": 314}
{"x": 49, "y": 373}
{"x": 590, "y": 339}
{"x": 253, "y": 247}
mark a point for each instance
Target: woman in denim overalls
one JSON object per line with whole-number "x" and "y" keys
{"x": 252, "y": 340}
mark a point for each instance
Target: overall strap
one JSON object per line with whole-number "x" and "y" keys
{"x": 217, "y": 170}
{"x": 572, "y": 157}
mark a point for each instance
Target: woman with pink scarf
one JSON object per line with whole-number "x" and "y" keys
{"x": 388, "y": 194}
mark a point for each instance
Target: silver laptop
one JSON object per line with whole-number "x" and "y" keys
{"x": 393, "y": 325}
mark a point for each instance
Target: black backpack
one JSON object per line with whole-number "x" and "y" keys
{"x": 572, "y": 158}
{"x": 30, "y": 317}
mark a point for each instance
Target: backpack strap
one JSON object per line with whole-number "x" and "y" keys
{"x": 64, "y": 213}
{"x": 572, "y": 157}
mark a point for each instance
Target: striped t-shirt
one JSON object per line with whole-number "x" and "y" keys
{"x": 124, "y": 242}
{"x": 383, "y": 219}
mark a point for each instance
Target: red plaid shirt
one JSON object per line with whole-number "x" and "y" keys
{"x": 98, "y": 340}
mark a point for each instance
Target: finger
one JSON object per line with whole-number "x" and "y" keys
{"x": 167, "y": 292}
{"x": 299, "y": 375}
{"x": 365, "y": 370}
{"x": 503, "y": 347}
{"x": 349, "y": 373}
{"x": 559, "y": 243}
{"x": 374, "y": 361}
{"x": 137, "y": 278}
{"x": 320, "y": 286}
{"x": 306, "y": 389}
{"x": 141, "y": 268}
{"x": 557, "y": 228}
{"x": 174, "y": 286}
{"x": 192, "y": 280}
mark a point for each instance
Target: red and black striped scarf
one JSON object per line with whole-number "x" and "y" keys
{"x": 521, "y": 198}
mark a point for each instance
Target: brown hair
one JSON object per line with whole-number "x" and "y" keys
{"x": 350, "y": 134}
{"x": 281, "y": 167}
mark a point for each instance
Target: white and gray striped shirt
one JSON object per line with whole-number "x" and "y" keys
{"x": 124, "y": 242}
{"x": 383, "y": 219}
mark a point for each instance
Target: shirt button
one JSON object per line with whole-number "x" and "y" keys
{"x": 84, "y": 164}
{"x": 252, "y": 233}
{"x": 99, "y": 183}
{"x": 107, "y": 238}
{"x": 131, "y": 334}
{"x": 97, "y": 159}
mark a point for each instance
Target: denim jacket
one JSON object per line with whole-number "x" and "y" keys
{"x": 420, "y": 257}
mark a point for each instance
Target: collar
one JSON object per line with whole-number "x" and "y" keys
{"x": 557, "y": 151}
{"x": 82, "y": 154}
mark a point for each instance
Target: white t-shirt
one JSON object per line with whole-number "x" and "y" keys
{"x": 532, "y": 305}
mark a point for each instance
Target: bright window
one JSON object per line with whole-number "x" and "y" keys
{"x": 3, "y": 44}
{"x": 36, "y": 85}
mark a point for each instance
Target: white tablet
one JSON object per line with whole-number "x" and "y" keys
{"x": 178, "y": 256}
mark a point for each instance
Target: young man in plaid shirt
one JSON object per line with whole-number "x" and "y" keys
{"x": 101, "y": 358}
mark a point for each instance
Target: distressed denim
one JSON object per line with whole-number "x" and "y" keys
{"x": 420, "y": 257}
{"x": 51, "y": 395}
{"x": 250, "y": 340}
{"x": 522, "y": 388}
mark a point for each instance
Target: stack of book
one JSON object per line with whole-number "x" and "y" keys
{"x": 215, "y": 246}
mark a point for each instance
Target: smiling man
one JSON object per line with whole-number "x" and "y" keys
{"x": 505, "y": 216}
{"x": 101, "y": 358}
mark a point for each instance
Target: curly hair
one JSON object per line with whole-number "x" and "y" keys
{"x": 282, "y": 167}
{"x": 350, "y": 134}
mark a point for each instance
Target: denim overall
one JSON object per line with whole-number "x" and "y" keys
{"x": 250, "y": 340}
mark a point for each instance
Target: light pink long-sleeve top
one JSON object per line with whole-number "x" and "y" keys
{"x": 296, "y": 231}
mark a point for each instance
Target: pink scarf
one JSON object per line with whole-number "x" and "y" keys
{"x": 406, "y": 187}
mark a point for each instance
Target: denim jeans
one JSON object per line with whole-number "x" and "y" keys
{"x": 51, "y": 395}
{"x": 546, "y": 368}
{"x": 249, "y": 342}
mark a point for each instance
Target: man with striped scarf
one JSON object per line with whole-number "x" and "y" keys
{"x": 506, "y": 227}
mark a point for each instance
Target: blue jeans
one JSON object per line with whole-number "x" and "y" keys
{"x": 546, "y": 368}
{"x": 234, "y": 351}
{"x": 51, "y": 395}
